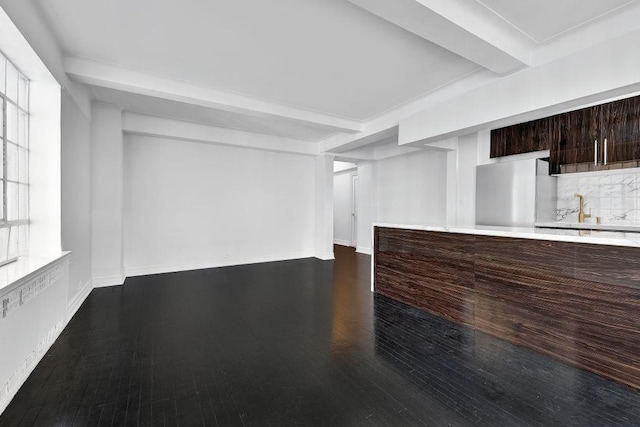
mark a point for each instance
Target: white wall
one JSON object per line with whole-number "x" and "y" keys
{"x": 411, "y": 189}
{"x": 194, "y": 205}
{"x": 342, "y": 201}
{"x": 76, "y": 195}
{"x": 408, "y": 189}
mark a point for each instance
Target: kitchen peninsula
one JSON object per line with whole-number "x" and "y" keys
{"x": 573, "y": 295}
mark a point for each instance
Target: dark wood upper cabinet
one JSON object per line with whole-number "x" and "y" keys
{"x": 521, "y": 138}
{"x": 581, "y": 131}
{"x": 601, "y": 137}
{"x": 498, "y": 142}
{"x": 621, "y": 128}
{"x": 532, "y": 136}
{"x": 574, "y": 135}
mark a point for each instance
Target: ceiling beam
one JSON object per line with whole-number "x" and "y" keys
{"x": 358, "y": 155}
{"x": 142, "y": 124}
{"x": 393, "y": 150}
{"x": 338, "y": 145}
{"x": 539, "y": 91}
{"x": 466, "y": 28}
{"x": 114, "y": 77}
{"x": 386, "y": 125}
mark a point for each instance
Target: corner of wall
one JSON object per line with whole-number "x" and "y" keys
{"x": 325, "y": 256}
{"x": 106, "y": 281}
{"x": 364, "y": 250}
{"x": 78, "y": 299}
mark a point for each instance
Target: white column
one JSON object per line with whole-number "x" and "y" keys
{"x": 452, "y": 186}
{"x": 466, "y": 191}
{"x": 107, "y": 195}
{"x": 323, "y": 236}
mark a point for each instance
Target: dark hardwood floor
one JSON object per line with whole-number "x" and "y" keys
{"x": 295, "y": 343}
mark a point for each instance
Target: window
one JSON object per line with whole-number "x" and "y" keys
{"x": 14, "y": 215}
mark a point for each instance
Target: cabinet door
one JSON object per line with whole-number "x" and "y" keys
{"x": 528, "y": 137}
{"x": 541, "y": 134}
{"x": 559, "y": 152}
{"x": 573, "y": 135}
{"x": 621, "y": 125}
{"x": 498, "y": 142}
{"x": 521, "y": 138}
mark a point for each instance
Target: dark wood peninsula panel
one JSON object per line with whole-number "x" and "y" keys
{"x": 578, "y": 303}
{"x": 441, "y": 277}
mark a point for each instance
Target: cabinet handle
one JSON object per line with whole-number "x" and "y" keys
{"x": 595, "y": 153}
{"x": 605, "y": 151}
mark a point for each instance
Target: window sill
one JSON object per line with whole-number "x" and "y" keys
{"x": 24, "y": 268}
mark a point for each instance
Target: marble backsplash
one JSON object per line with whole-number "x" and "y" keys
{"x": 614, "y": 196}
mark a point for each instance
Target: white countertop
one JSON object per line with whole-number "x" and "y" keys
{"x": 613, "y": 238}
{"x": 589, "y": 226}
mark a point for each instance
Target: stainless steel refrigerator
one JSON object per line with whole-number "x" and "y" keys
{"x": 515, "y": 194}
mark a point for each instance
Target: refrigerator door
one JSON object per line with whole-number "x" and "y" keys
{"x": 506, "y": 193}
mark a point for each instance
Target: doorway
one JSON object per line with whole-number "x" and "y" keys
{"x": 354, "y": 210}
{"x": 345, "y": 209}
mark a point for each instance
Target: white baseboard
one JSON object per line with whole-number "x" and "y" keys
{"x": 363, "y": 250}
{"x": 341, "y": 242}
{"x": 160, "y": 269}
{"x": 325, "y": 256}
{"x": 77, "y": 301}
{"x": 104, "y": 281}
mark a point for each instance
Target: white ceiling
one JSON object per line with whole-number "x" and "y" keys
{"x": 545, "y": 19}
{"x": 322, "y": 55}
{"x": 308, "y": 69}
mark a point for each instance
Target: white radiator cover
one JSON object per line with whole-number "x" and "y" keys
{"x": 33, "y": 313}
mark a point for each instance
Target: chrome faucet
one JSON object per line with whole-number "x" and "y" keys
{"x": 581, "y": 214}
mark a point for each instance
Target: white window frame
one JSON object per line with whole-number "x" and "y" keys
{"x": 13, "y": 225}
